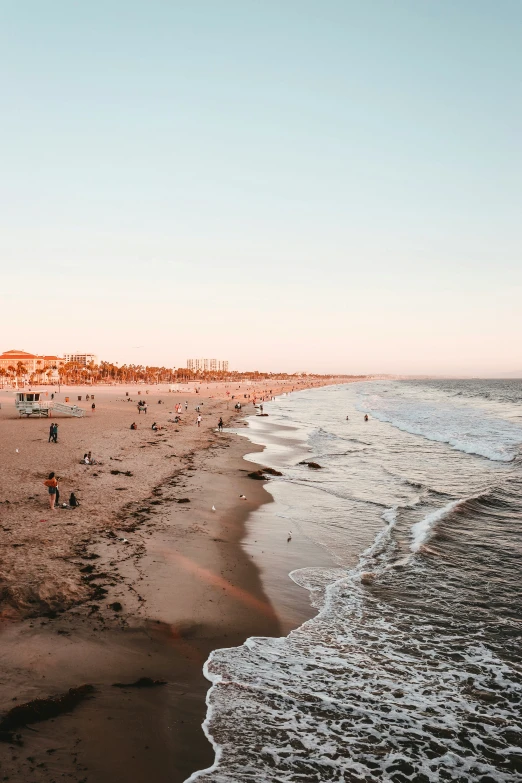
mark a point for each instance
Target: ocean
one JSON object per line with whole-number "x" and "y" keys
{"x": 411, "y": 669}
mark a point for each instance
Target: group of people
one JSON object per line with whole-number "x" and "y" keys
{"x": 88, "y": 460}
{"x": 142, "y": 406}
{"x": 53, "y": 433}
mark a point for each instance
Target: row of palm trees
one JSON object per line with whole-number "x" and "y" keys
{"x": 108, "y": 372}
{"x": 14, "y": 374}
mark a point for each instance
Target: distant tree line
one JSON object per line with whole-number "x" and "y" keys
{"x": 109, "y": 372}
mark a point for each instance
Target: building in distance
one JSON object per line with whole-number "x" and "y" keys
{"x": 31, "y": 361}
{"x": 81, "y": 358}
{"x": 207, "y": 365}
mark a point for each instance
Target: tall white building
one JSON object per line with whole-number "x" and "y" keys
{"x": 207, "y": 365}
{"x": 81, "y": 358}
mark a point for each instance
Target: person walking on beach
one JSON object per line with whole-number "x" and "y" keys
{"x": 55, "y": 433}
{"x": 198, "y": 421}
{"x": 220, "y": 424}
{"x": 51, "y": 432}
{"x": 52, "y": 485}
{"x": 93, "y": 407}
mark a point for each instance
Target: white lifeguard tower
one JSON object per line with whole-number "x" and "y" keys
{"x": 32, "y": 404}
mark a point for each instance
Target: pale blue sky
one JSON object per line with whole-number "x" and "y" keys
{"x": 327, "y": 185}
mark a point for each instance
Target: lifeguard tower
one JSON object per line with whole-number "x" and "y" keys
{"x": 32, "y": 404}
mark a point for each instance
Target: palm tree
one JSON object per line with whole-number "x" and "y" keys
{"x": 21, "y": 371}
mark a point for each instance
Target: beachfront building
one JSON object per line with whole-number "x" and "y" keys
{"x": 17, "y": 365}
{"x": 207, "y": 365}
{"x": 32, "y": 362}
{"x": 14, "y": 358}
{"x": 84, "y": 359}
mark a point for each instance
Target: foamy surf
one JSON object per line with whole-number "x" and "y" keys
{"x": 411, "y": 670}
{"x": 422, "y": 531}
{"x": 462, "y": 426}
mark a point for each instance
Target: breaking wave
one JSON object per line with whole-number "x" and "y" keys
{"x": 411, "y": 671}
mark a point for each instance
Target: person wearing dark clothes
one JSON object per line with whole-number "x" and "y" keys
{"x": 55, "y": 433}
{"x": 220, "y": 424}
{"x": 93, "y": 407}
{"x": 51, "y": 433}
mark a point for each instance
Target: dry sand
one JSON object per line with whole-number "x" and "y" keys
{"x": 79, "y": 605}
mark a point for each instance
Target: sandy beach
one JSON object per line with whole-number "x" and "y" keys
{"x": 130, "y": 592}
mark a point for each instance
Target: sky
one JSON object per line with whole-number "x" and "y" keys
{"x": 292, "y": 185}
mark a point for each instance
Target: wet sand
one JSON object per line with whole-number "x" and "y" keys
{"x": 152, "y": 606}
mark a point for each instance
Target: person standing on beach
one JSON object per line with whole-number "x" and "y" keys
{"x": 55, "y": 433}
{"x": 198, "y": 421}
{"x": 51, "y": 432}
{"x": 220, "y": 424}
{"x": 52, "y": 487}
{"x": 93, "y": 407}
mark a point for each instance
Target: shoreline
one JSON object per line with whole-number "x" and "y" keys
{"x": 211, "y": 595}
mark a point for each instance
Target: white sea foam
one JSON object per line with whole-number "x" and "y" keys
{"x": 375, "y": 682}
{"x": 421, "y": 531}
{"x": 463, "y": 427}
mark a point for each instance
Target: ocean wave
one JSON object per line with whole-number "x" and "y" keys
{"x": 422, "y": 531}
{"x": 470, "y": 432}
{"x": 389, "y": 681}
{"x": 357, "y": 693}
